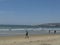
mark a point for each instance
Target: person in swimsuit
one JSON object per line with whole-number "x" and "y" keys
{"x": 54, "y": 31}
{"x": 49, "y": 31}
{"x": 26, "y": 35}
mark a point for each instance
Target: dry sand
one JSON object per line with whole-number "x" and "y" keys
{"x": 33, "y": 40}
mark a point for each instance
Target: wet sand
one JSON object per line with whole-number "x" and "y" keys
{"x": 49, "y": 39}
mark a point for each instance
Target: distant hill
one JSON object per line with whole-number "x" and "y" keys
{"x": 52, "y": 25}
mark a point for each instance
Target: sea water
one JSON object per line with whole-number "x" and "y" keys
{"x": 8, "y": 32}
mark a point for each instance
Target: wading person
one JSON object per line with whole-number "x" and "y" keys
{"x": 49, "y": 31}
{"x": 54, "y": 31}
{"x": 26, "y": 35}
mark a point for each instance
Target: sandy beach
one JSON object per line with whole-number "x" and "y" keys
{"x": 49, "y": 39}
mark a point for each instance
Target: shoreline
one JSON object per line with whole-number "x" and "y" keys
{"x": 23, "y": 36}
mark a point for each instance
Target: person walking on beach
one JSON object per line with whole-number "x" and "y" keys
{"x": 26, "y": 35}
{"x": 54, "y": 31}
{"x": 49, "y": 31}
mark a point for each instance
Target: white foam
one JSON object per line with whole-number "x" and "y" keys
{"x": 17, "y": 29}
{"x": 4, "y": 29}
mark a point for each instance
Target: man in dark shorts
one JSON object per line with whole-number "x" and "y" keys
{"x": 54, "y": 31}
{"x": 26, "y": 36}
{"x": 49, "y": 31}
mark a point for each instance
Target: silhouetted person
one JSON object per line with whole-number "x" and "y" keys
{"x": 49, "y": 31}
{"x": 26, "y": 36}
{"x": 54, "y": 31}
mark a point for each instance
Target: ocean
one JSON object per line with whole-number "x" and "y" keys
{"x": 33, "y": 31}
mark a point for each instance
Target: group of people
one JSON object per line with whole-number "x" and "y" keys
{"x": 54, "y": 31}
{"x": 27, "y": 36}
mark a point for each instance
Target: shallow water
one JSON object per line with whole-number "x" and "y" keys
{"x": 22, "y": 32}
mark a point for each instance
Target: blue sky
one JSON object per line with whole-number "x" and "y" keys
{"x": 29, "y": 11}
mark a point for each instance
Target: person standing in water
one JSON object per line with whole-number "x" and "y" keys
{"x": 54, "y": 31}
{"x": 49, "y": 31}
{"x": 26, "y": 35}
